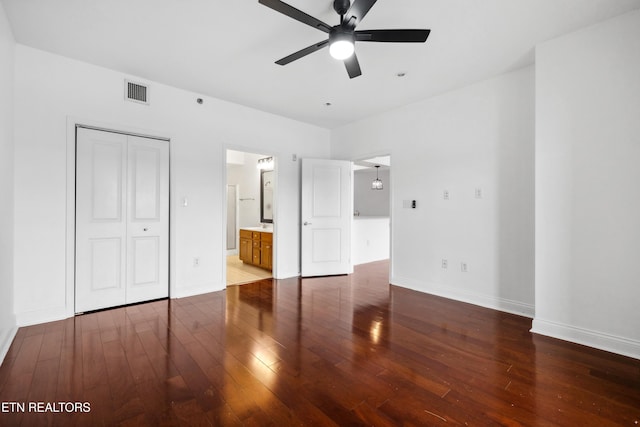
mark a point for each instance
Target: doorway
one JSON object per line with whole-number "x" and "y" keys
{"x": 250, "y": 231}
{"x": 121, "y": 219}
{"x": 372, "y": 210}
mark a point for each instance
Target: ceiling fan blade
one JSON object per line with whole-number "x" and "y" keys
{"x": 357, "y": 12}
{"x": 296, "y": 14}
{"x": 303, "y": 52}
{"x": 353, "y": 66}
{"x": 393, "y": 36}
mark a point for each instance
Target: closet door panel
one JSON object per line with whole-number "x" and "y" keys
{"x": 101, "y": 224}
{"x": 148, "y": 225}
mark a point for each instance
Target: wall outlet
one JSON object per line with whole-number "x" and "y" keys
{"x": 294, "y": 157}
{"x": 445, "y": 194}
{"x": 445, "y": 263}
{"x": 196, "y": 262}
{"x": 463, "y": 267}
{"x": 478, "y": 193}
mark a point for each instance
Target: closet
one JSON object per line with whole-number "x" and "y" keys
{"x": 122, "y": 219}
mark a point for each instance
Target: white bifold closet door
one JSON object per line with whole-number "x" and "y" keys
{"x": 122, "y": 219}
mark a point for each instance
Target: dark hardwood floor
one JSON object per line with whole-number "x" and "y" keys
{"x": 344, "y": 351}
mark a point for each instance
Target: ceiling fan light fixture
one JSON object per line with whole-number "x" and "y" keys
{"x": 342, "y": 37}
{"x": 341, "y": 44}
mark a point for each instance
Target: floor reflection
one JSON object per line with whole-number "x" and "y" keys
{"x": 347, "y": 350}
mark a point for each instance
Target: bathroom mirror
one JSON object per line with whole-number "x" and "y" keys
{"x": 266, "y": 196}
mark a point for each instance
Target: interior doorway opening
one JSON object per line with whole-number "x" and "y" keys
{"x": 250, "y": 232}
{"x": 371, "y": 235}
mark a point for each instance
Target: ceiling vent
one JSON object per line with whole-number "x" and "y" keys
{"x": 136, "y": 92}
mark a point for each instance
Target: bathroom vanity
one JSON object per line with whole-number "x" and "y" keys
{"x": 256, "y": 247}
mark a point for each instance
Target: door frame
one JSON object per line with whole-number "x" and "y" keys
{"x": 72, "y": 124}
{"x": 384, "y": 153}
{"x": 276, "y": 216}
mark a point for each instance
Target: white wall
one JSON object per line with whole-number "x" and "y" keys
{"x": 587, "y": 186}
{"x": 370, "y": 202}
{"x": 247, "y": 177}
{"x": 53, "y": 91}
{"x": 369, "y": 239}
{"x": 7, "y": 318}
{"x": 481, "y": 136}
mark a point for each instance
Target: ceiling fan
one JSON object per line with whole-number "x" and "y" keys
{"x": 342, "y": 37}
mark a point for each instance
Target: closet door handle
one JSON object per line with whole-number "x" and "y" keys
{"x": 307, "y": 223}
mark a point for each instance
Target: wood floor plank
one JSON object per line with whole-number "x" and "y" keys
{"x": 94, "y": 371}
{"x": 345, "y": 350}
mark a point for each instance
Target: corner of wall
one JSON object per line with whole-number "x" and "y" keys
{"x": 6, "y": 337}
{"x": 601, "y": 341}
{"x": 488, "y": 301}
{"x": 587, "y": 99}
{"x": 8, "y": 326}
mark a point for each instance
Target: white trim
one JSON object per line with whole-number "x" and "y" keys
{"x": 50, "y": 314}
{"x": 6, "y": 341}
{"x": 287, "y": 275}
{"x": 200, "y": 290}
{"x": 487, "y": 301}
{"x": 590, "y": 338}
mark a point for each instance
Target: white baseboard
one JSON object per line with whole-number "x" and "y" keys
{"x": 43, "y": 316}
{"x": 487, "y": 301}
{"x": 198, "y": 290}
{"x": 287, "y": 275}
{"x": 6, "y": 339}
{"x": 599, "y": 340}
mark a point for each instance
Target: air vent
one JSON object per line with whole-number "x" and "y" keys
{"x": 136, "y": 92}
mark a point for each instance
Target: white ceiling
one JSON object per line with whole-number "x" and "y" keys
{"x": 226, "y": 49}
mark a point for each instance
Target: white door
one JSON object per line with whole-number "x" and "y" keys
{"x": 148, "y": 220}
{"x": 326, "y": 217}
{"x": 122, "y": 219}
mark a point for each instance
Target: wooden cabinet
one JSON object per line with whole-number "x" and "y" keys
{"x": 266, "y": 251}
{"x": 256, "y": 248}
{"x": 246, "y": 246}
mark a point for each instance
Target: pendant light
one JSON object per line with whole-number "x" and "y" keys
{"x": 376, "y": 184}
